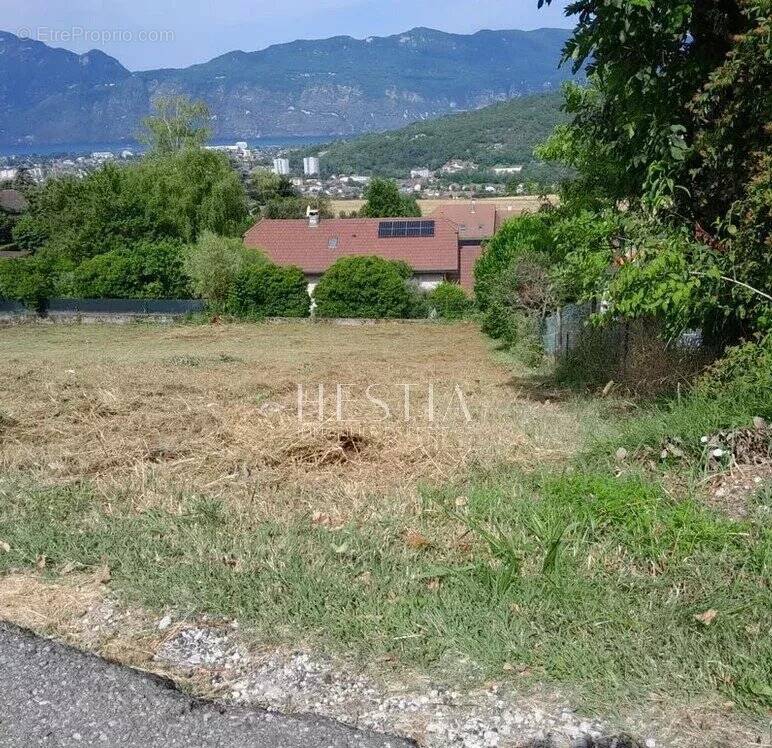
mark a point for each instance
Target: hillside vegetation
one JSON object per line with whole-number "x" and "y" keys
{"x": 504, "y": 133}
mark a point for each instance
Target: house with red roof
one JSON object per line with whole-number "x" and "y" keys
{"x": 429, "y": 246}
{"x": 443, "y": 246}
{"x": 477, "y": 223}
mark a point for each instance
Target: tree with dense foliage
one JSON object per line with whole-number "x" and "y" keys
{"x": 176, "y": 124}
{"x": 146, "y": 271}
{"x": 297, "y": 207}
{"x": 383, "y": 200}
{"x": 162, "y": 197}
{"x": 214, "y": 262}
{"x": 264, "y": 187}
{"x": 363, "y": 287}
{"x": 32, "y": 279}
{"x": 526, "y": 233}
{"x": 267, "y": 290}
{"x": 674, "y": 133}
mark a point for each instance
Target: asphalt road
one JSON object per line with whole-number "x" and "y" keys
{"x": 52, "y": 695}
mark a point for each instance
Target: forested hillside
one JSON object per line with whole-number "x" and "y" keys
{"x": 504, "y": 133}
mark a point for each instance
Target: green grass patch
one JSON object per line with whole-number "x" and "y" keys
{"x": 578, "y": 579}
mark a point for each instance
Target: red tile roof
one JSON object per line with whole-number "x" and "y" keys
{"x": 12, "y": 201}
{"x": 315, "y": 249}
{"x": 477, "y": 221}
{"x": 474, "y": 221}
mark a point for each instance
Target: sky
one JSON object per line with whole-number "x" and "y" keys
{"x": 147, "y": 34}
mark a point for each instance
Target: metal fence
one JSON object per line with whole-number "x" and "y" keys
{"x": 12, "y": 307}
{"x": 562, "y": 330}
{"x": 139, "y": 307}
{"x": 116, "y": 308}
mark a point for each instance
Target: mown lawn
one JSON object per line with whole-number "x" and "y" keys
{"x": 563, "y": 571}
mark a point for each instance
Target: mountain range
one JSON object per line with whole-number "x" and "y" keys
{"x": 337, "y": 87}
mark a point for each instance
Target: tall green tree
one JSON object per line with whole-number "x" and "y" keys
{"x": 176, "y": 123}
{"x": 383, "y": 200}
{"x": 674, "y": 131}
{"x": 176, "y": 196}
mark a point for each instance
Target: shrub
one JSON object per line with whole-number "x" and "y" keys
{"x": 403, "y": 268}
{"x": 450, "y": 301}
{"x": 214, "y": 262}
{"x": 530, "y": 233}
{"x": 363, "y": 287}
{"x": 31, "y": 280}
{"x": 268, "y": 290}
{"x": 419, "y": 307}
{"x": 146, "y": 271}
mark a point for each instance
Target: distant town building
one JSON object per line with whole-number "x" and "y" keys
{"x": 103, "y": 156}
{"x": 8, "y": 175}
{"x": 507, "y": 169}
{"x": 311, "y": 166}
{"x": 281, "y": 166}
{"x": 127, "y": 154}
{"x": 420, "y": 173}
{"x": 456, "y": 164}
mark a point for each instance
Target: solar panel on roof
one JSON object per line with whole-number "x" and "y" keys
{"x": 405, "y": 229}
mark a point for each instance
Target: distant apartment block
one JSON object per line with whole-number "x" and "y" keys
{"x": 311, "y": 166}
{"x": 281, "y": 166}
{"x": 420, "y": 173}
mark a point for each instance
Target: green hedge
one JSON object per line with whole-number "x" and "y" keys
{"x": 450, "y": 301}
{"x": 270, "y": 291}
{"x": 146, "y": 271}
{"x": 363, "y": 287}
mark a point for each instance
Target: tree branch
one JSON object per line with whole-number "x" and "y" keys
{"x": 736, "y": 282}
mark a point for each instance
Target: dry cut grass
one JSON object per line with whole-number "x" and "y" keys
{"x": 160, "y": 411}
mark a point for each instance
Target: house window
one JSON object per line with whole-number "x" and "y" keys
{"x": 405, "y": 229}
{"x": 333, "y": 243}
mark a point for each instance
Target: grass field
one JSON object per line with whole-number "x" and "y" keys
{"x": 215, "y": 409}
{"x": 175, "y": 456}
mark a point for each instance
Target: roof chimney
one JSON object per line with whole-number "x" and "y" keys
{"x": 313, "y": 217}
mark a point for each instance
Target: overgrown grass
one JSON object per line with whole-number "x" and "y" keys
{"x": 731, "y": 394}
{"x": 580, "y": 579}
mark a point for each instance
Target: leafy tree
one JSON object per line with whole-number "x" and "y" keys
{"x": 363, "y": 287}
{"x": 214, "y": 262}
{"x": 176, "y": 124}
{"x": 176, "y": 197}
{"x": 674, "y": 132}
{"x": 268, "y": 290}
{"x": 31, "y": 280}
{"x": 296, "y": 207}
{"x": 383, "y": 200}
{"x": 527, "y": 233}
{"x": 146, "y": 271}
{"x": 7, "y": 223}
{"x": 265, "y": 187}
